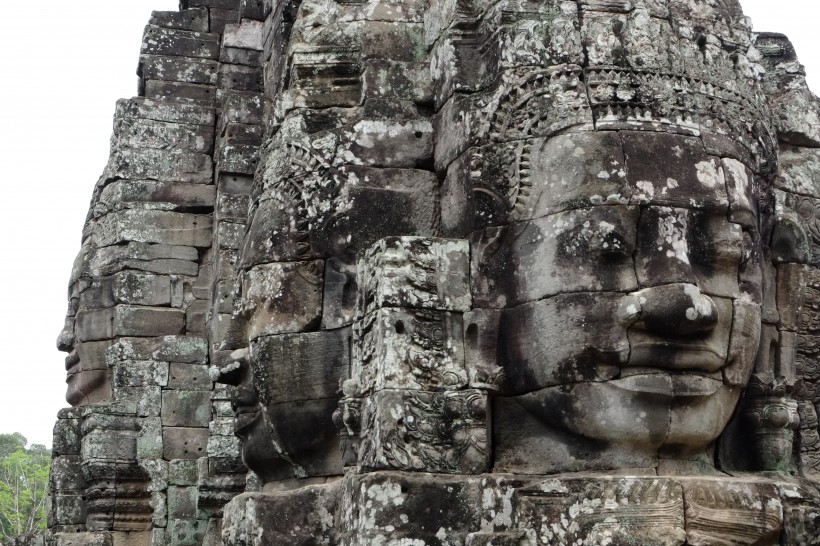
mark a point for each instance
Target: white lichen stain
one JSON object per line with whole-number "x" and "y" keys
{"x": 647, "y": 189}
{"x": 709, "y": 175}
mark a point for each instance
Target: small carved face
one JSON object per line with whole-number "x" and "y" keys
{"x": 289, "y": 374}
{"x": 632, "y": 317}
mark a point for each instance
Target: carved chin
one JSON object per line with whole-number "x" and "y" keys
{"x": 258, "y": 451}
{"x": 678, "y": 413}
{"x": 87, "y": 387}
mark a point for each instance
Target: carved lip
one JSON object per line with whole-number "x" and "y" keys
{"x": 246, "y": 418}
{"x": 668, "y": 384}
{"x": 72, "y": 360}
{"x": 703, "y": 357}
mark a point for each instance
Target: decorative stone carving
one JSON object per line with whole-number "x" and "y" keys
{"x": 464, "y": 273}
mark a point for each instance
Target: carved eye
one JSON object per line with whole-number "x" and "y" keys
{"x": 601, "y": 238}
{"x": 84, "y": 283}
{"x": 612, "y": 244}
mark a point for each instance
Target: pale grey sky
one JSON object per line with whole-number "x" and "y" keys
{"x": 64, "y": 65}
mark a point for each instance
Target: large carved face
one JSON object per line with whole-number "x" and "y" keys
{"x": 632, "y": 308}
{"x": 86, "y": 369}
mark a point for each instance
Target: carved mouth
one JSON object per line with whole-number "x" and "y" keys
{"x": 246, "y": 418}
{"x": 702, "y": 357}
{"x": 668, "y": 384}
{"x": 72, "y": 361}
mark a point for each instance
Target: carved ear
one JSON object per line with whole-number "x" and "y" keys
{"x": 790, "y": 241}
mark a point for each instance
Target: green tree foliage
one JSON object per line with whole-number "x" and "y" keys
{"x": 23, "y": 485}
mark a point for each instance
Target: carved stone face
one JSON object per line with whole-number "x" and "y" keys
{"x": 631, "y": 318}
{"x": 86, "y": 370}
{"x": 289, "y": 376}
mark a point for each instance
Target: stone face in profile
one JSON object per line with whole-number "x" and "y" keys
{"x": 462, "y": 274}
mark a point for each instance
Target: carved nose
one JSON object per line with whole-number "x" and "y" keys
{"x": 678, "y": 309}
{"x": 243, "y": 398}
{"x": 66, "y": 340}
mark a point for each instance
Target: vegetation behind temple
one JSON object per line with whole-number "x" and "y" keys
{"x": 23, "y": 485}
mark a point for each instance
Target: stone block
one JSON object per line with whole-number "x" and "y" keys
{"x": 184, "y": 443}
{"x": 109, "y": 445}
{"x": 321, "y": 80}
{"x": 84, "y": 539}
{"x": 139, "y": 133}
{"x": 242, "y": 107}
{"x": 140, "y": 373}
{"x": 232, "y": 207}
{"x": 66, "y": 435}
{"x": 238, "y": 158}
{"x": 448, "y": 504}
{"x": 238, "y": 56}
{"x": 153, "y": 226}
{"x": 95, "y": 355}
{"x": 247, "y": 35}
{"x": 172, "y": 111}
{"x": 221, "y": 426}
{"x": 242, "y": 133}
{"x": 368, "y": 205}
{"x": 282, "y": 297}
{"x": 294, "y": 517}
{"x": 223, "y": 446}
{"x": 397, "y": 348}
{"x": 240, "y": 77}
{"x": 405, "y": 81}
{"x": 196, "y": 316}
{"x": 154, "y": 258}
{"x": 220, "y": 18}
{"x": 182, "y": 472}
{"x": 129, "y": 320}
{"x": 229, "y": 235}
{"x": 189, "y": 376}
{"x": 300, "y": 367}
{"x": 156, "y": 89}
{"x": 415, "y": 272}
{"x": 127, "y": 287}
{"x": 194, "y": 19}
{"x": 186, "y": 408}
{"x": 180, "y": 43}
{"x": 66, "y": 475}
{"x": 226, "y": 465}
{"x": 181, "y": 502}
{"x": 162, "y": 165}
{"x": 685, "y": 178}
{"x": 252, "y": 9}
{"x": 149, "y": 451}
{"x": 178, "y": 69}
{"x": 140, "y": 193}
{"x": 186, "y": 532}
{"x": 182, "y": 349}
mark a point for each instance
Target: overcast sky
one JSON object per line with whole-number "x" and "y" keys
{"x": 64, "y": 65}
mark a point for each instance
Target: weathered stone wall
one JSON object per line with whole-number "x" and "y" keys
{"x": 411, "y": 253}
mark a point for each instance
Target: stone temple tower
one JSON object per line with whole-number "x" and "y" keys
{"x": 449, "y": 273}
